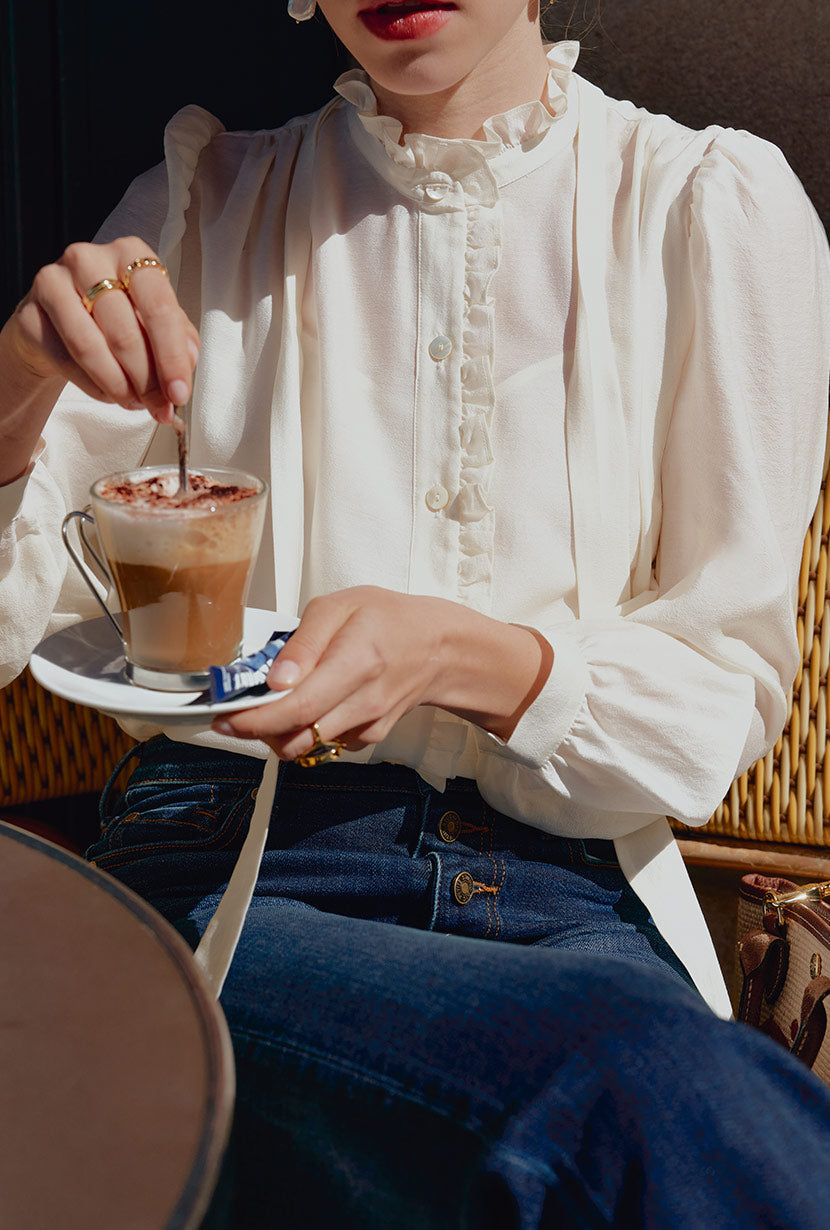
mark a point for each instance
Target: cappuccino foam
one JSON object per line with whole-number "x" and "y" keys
{"x": 151, "y": 522}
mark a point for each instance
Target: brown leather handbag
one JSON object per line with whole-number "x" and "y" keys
{"x": 783, "y": 953}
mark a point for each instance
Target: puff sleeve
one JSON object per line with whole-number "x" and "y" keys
{"x": 658, "y": 709}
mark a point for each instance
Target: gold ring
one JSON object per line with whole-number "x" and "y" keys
{"x": 321, "y": 752}
{"x": 100, "y": 288}
{"x": 143, "y": 262}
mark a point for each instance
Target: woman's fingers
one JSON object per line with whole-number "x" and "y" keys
{"x": 358, "y": 661}
{"x": 342, "y": 696}
{"x": 43, "y": 351}
{"x": 322, "y": 663}
{"x": 118, "y": 339}
{"x": 77, "y": 335}
{"x": 112, "y": 325}
{"x": 167, "y": 329}
{"x": 357, "y": 691}
{"x": 323, "y": 621}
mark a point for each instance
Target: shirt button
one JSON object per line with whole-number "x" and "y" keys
{"x": 463, "y": 887}
{"x": 449, "y": 826}
{"x": 437, "y": 498}
{"x": 436, "y": 192}
{"x": 440, "y": 348}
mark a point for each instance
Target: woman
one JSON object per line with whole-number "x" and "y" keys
{"x": 532, "y": 374}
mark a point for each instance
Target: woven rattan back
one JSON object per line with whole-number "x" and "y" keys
{"x": 50, "y": 748}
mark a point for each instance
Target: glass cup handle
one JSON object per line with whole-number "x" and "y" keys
{"x": 81, "y": 566}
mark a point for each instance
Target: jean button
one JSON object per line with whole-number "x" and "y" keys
{"x": 449, "y": 826}
{"x": 462, "y": 887}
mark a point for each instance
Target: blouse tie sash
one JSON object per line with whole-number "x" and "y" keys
{"x": 596, "y": 437}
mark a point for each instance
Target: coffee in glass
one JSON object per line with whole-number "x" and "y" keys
{"x": 181, "y": 564}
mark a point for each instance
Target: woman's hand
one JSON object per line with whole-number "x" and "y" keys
{"x": 364, "y": 657}
{"x": 134, "y": 347}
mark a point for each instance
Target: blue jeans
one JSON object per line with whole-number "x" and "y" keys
{"x": 444, "y": 1018}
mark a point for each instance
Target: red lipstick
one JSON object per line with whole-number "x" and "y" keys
{"x": 406, "y": 19}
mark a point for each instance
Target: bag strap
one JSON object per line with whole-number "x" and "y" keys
{"x": 813, "y": 1027}
{"x": 764, "y": 958}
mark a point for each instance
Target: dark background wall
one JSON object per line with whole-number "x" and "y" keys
{"x": 86, "y": 87}
{"x": 762, "y": 65}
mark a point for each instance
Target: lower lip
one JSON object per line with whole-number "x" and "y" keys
{"x": 387, "y": 24}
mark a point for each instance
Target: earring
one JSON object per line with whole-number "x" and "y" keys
{"x": 301, "y": 10}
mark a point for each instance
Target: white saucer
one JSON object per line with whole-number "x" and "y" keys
{"x": 85, "y": 664}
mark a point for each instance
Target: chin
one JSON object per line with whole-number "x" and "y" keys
{"x": 418, "y": 75}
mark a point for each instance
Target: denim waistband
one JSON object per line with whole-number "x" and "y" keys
{"x": 164, "y": 760}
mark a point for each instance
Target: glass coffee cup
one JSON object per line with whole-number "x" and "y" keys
{"x": 180, "y": 564}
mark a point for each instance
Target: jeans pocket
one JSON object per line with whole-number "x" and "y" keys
{"x": 178, "y": 799}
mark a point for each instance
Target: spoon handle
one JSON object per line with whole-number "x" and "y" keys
{"x": 181, "y": 424}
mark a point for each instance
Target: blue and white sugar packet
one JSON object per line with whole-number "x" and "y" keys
{"x": 246, "y": 673}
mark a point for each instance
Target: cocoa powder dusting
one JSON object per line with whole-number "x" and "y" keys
{"x": 157, "y": 491}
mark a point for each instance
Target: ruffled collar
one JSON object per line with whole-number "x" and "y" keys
{"x": 521, "y": 127}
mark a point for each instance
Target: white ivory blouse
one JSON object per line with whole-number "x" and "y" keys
{"x": 573, "y": 375}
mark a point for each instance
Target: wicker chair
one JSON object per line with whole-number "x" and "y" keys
{"x": 55, "y": 757}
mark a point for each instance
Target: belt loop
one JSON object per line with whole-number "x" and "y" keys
{"x": 104, "y": 799}
{"x": 426, "y": 792}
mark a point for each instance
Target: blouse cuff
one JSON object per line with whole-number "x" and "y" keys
{"x": 12, "y": 494}
{"x": 546, "y": 722}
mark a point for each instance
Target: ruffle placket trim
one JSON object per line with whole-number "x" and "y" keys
{"x": 477, "y": 527}
{"x": 414, "y": 162}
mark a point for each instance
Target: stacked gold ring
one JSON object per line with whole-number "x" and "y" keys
{"x": 321, "y": 752}
{"x": 143, "y": 262}
{"x": 100, "y": 288}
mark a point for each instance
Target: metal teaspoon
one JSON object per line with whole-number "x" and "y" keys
{"x": 181, "y": 424}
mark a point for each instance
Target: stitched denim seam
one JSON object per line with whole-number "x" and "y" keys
{"x": 303, "y": 788}
{"x": 488, "y": 836}
{"x": 196, "y": 780}
{"x": 488, "y": 833}
{"x": 491, "y": 825}
{"x": 110, "y": 858}
{"x": 136, "y": 818}
{"x": 435, "y": 858}
{"x": 500, "y": 886}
